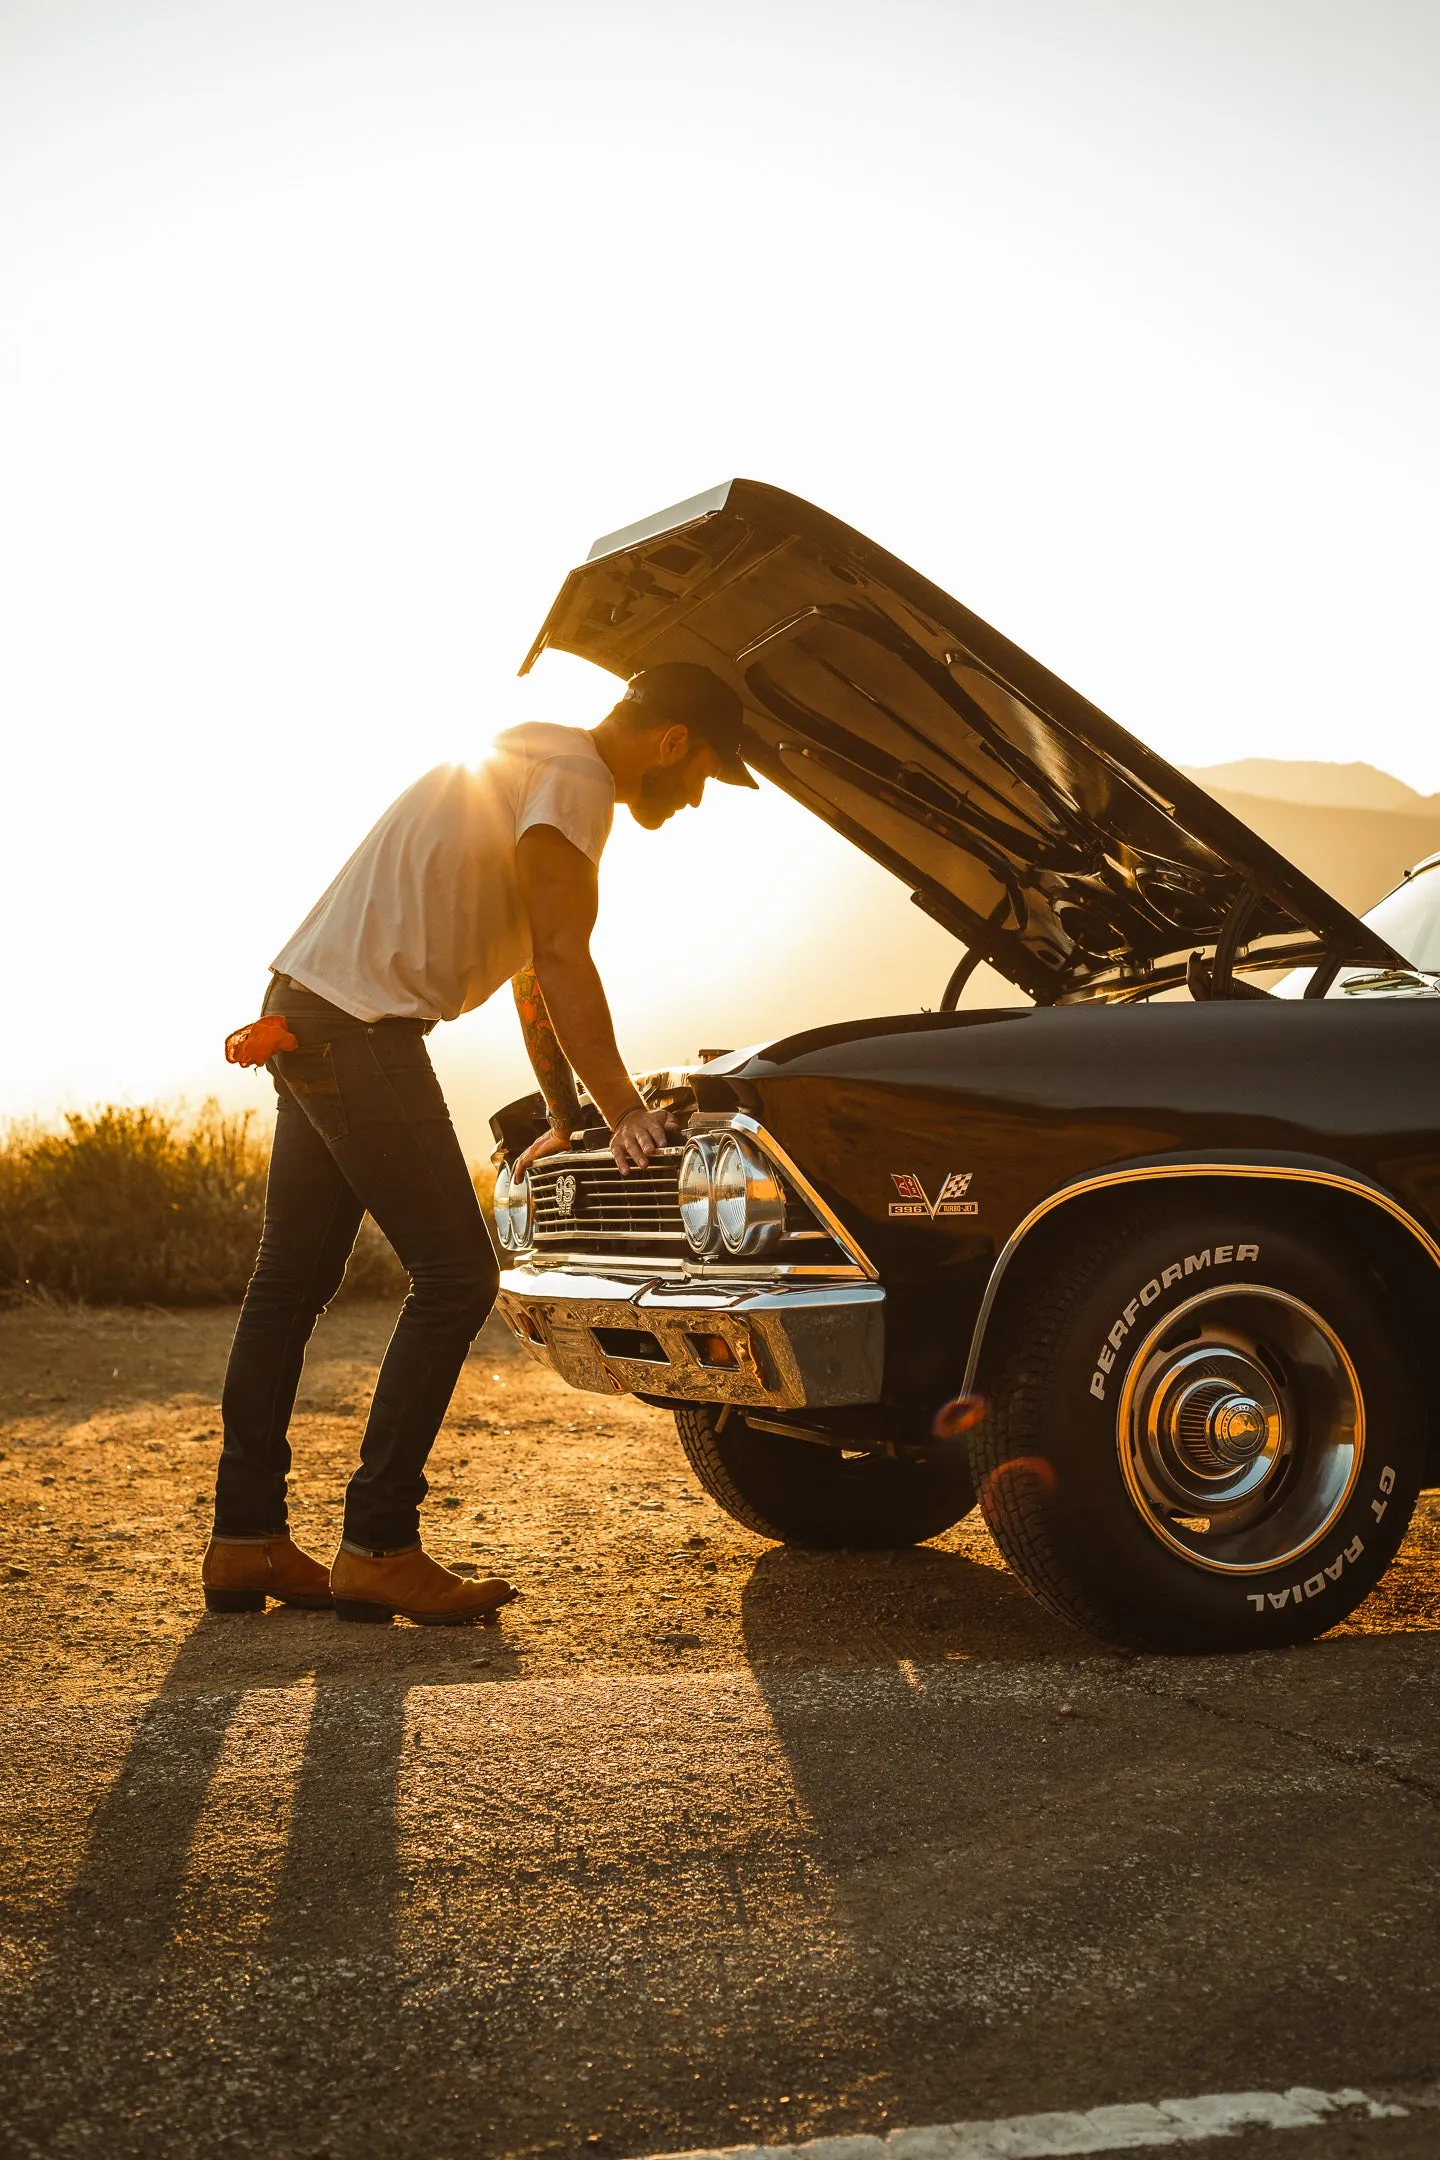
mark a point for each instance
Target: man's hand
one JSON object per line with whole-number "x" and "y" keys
{"x": 550, "y": 1143}
{"x": 636, "y": 1137}
{"x": 632, "y": 1143}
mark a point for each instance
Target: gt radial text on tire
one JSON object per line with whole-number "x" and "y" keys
{"x": 1200, "y": 1436}
{"x": 803, "y": 1492}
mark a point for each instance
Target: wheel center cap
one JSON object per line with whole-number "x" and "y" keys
{"x": 1216, "y": 1423}
{"x": 1237, "y": 1428}
{"x": 1240, "y": 1428}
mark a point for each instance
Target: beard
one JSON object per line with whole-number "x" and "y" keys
{"x": 663, "y": 791}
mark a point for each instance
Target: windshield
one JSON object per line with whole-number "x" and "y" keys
{"x": 1408, "y": 919}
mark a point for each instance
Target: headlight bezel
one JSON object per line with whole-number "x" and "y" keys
{"x": 743, "y": 1178}
{"x": 697, "y": 1208}
{"x": 514, "y": 1209}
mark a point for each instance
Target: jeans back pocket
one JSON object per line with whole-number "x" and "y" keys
{"x": 311, "y": 1078}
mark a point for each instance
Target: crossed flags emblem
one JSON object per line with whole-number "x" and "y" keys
{"x": 950, "y": 1200}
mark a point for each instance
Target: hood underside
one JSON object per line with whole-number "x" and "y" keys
{"x": 1052, "y": 842}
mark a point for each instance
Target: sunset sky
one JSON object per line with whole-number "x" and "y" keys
{"x": 334, "y": 330}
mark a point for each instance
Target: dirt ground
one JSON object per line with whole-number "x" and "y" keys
{"x": 111, "y": 1428}
{"x": 705, "y": 1841}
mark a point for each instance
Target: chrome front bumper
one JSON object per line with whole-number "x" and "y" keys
{"x": 784, "y": 1344}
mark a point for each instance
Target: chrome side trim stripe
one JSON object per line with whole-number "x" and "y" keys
{"x": 1147, "y": 1174}
{"x": 745, "y": 1123}
{"x": 662, "y": 1267}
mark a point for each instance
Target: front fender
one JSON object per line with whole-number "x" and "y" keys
{"x": 1277, "y": 1168}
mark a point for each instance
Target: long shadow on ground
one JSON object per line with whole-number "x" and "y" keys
{"x": 927, "y": 1855}
{"x": 1072, "y": 1875}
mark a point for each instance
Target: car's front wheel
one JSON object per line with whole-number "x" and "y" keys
{"x": 1200, "y": 1436}
{"x": 803, "y": 1492}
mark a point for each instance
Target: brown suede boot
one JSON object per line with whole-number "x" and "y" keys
{"x": 376, "y": 1585}
{"x": 240, "y": 1573}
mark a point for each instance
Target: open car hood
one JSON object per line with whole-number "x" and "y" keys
{"x": 1059, "y": 848}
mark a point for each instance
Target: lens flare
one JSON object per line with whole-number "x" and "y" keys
{"x": 961, "y": 1415}
{"x": 1033, "y": 1470}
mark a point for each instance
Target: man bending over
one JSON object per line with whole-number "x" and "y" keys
{"x": 477, "y": 875}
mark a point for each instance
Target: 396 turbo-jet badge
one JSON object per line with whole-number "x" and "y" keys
{"x": 950, "y": 1200}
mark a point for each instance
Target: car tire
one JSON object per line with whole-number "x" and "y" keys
{"x": 1200, "y": 1437}
{"x": 801, "y": 1492}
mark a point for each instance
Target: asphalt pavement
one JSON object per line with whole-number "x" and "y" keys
{"x": 317, "y": 1893}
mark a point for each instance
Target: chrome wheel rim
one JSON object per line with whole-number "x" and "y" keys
{"x": 1241, "y": 1429}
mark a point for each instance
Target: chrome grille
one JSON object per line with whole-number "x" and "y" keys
{"x": 642, "y": 1207}
{"x": 584, "y": 1205}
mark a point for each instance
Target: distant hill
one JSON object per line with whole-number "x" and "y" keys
{"x": 1298, "y": 780}
{"x": 1356, "y": 853}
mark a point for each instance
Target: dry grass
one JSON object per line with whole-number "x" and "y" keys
{"x": 149, "y": 1207}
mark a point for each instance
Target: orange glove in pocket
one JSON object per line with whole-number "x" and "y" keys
{"x": 257, "y": 1043}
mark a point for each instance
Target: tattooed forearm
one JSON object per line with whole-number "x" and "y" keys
{"x": 552, "y": 1068}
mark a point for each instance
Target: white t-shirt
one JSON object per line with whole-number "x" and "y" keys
{"x": 425, "y": 921}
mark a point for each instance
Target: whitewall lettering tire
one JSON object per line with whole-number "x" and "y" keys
{"x": 1200, "y": 1436}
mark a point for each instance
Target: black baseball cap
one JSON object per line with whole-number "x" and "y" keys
{"x": 683, "y": 691}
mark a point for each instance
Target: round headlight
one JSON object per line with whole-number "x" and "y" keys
{"x": 514, "y": 1209}
{"x": 522, "y": 1210}
{"x": 749, "y": 1203}
{"x": 697, "y": 1200}
{"x": 502, "y": 1206}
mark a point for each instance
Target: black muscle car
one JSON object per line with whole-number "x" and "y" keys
{"x": 1148, "y": 1267}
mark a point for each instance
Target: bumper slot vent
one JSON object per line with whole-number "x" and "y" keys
{"x": 636, "y": 1344}
{"x": 713, "y": 1351}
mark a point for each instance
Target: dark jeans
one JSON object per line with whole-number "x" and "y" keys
{"x": 361, "y": 1124}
